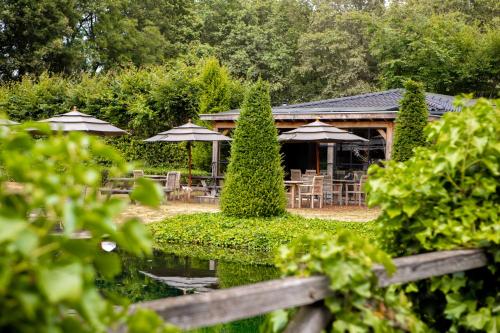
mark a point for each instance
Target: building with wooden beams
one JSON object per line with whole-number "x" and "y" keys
{"x": 371, "y": 116}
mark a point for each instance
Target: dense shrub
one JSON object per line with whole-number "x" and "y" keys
{"x": 262, "y": 234}
{"x": 254, "y": 178}
{"x": 411, "y": 120}
{"x": 151, "y": 154}
{"x": 448, "y": 196}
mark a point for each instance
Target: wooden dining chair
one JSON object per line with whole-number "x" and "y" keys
{"x": 313, "y": 191}
{"x": 311, "y": 172}
{"x": 355, "y": 191}
{"x": 327, "y": 189}
{"x": 138, "y": 173}
{"x": 295, "y": 174}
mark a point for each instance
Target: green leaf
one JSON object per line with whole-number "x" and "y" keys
{"x": 147, "y": 192}
{"x": 61, "y": 283}
{"x": 10, "y": 228}
{"x": 455, "y": 306}
{"x": 108, "y": 264}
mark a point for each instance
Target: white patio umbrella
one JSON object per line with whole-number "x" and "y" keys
{"x": 81, "y": 122}
{"x": 188, "y": 133}
{"x": 319, "y": 132}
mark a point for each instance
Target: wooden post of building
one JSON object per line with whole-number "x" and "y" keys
{"x": 330, "y": 158}
{"x": 389, "y": 140}
{"x": 215, "y": 156}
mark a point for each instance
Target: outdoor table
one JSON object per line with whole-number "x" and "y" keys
{"x": 121, "y": 182}
{"x": 294, "y": 188}
{"x": 156, "y": 176}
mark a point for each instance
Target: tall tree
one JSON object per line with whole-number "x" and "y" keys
{"x": 215, "y": 86}
{"x": 256, "y": 38}
{"x": 410, "y": 123}
{"x": 445, "y": 51}
{"x": 254, "y": 179}
{"x": 333, "y": 56}
{"x": 36, "y": 36}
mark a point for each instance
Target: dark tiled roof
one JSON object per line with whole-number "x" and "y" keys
{"x": 383, "y": 103}
{"x": 384, "y": 100}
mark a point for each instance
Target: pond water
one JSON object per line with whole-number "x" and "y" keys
{"x": 169, "y": 275}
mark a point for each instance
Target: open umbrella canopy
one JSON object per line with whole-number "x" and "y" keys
{"x": 320, "y": 132}
{"x": 81, "y": 122}
{"x": 189, "y": 133}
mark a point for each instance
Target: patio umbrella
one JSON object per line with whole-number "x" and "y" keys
{"x": 319, "y": 132}
{"x": 188, "y": 133}
{"x": 81, "y": 122}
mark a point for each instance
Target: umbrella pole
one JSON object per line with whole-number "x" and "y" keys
{"x": 317, "y": 158}
{"x": 190, "y": 180}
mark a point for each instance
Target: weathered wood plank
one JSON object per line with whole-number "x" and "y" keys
{"x": 227, "y": 305}
{"x": 231, "y": 304}
{"x": 310, "y": 319}
{"x": 422, "y": 266}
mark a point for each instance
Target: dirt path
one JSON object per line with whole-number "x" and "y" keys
{"x": 339, "y": 213}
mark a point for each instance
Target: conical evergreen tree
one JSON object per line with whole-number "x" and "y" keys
{"x": 254, "y": 180}
{"x": 410, "y": 123}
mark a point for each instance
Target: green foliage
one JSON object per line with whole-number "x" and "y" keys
{"x": 410, "y": 122}
{"x": 215, "y": 87}
{"x": 358, "y": 305}
{"x": 447, "y": 197}
{"x": 447, "y": 51}
{"x": 254, "y": 178}
{"x": 159, "y": 155}
{"x": 218, "y": 93}
{"x": 257, "y": 234}
{"x": 47, "y": 277}
{"x": 334, "y": 55}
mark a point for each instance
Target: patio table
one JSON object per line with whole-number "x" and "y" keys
{"x": 294, "y": 189}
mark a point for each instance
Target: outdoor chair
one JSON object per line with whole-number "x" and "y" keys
{"x": 315, "y": 190}
{"x": 208, "y": 194}
{"x": 327, "y": 189}
{"x": 138, "y": 173}
{"x": 355, "y": 192}
{"x": 170, "y": 186}
{"x": 311, "y": 172}
{"x": 295, "y": 174}
{"x": 337, "y": 192}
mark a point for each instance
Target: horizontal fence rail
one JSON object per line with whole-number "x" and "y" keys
{"x": 226, "y": 305}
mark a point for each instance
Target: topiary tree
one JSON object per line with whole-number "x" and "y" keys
{"x": 412, "y": 118}
{"x": 254, "y": 180}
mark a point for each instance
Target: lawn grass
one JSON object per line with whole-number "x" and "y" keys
{"x": 215, "y": 230}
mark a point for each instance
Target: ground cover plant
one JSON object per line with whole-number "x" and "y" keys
{"x": 257, "y": 234}
{"x": 253, "y": 183}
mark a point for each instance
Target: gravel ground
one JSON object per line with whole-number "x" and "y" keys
{"x": 172, "y": 208}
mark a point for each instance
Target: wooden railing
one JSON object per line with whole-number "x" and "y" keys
{"x": 226, "y": 305}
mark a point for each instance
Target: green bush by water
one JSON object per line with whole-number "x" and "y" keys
{"x": 258, "y": 234}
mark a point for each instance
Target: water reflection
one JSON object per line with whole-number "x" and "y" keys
{"x": 167, "y": 275}
{"x": 184, "y": 274}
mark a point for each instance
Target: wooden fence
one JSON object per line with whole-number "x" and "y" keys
{"x": 226, "y": 305}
